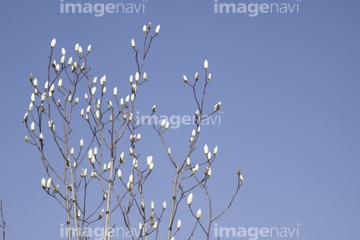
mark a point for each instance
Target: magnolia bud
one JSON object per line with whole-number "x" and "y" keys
{"x": 137, "y": 76}
{"x": 207, "y": 171}
{"x": 48, "y": 183}
{"x": 32, "y": 126}
{"x": 60, "y": 83}
{"x": 190, "y": 199}
{"x": 93, "y": 173}
{"x": 152, "y": 205}
{"x": 154, "y": 108}
{"x": 185, "y": 79}
{"x": 115, "y": 91}
{"x": 188, "y": 163}
{"x": 206, "y": 149}
{"x": 145, "y": 29}
{"x": 53, "y": 43}
{"x": 215, "y": 150}
{"x": 102, "y": 210}
{"x": 43, "y": 183}
{"x": 80, "y": 50}
{"x": 206, "y": 65}
{"x": 209, "y": 76}
{"x": 164, "y": 205}
{"x": 103, "y": 80}
{"x": 122, "y": 157}
{"x": 70, "y": 61}
{"x": 178, "y": 225}
{"x": 145, "y": 77}
{"x": 35, "y": 82}
{"x": 62, "y": 60}
{"x": 89, "y": 48}
{"x": 93, "y": 90}
{"x": 149, "y": 160}
{"x": 157, "y": 29}
{"x": 196, "y": 76}
{"x": 195, "y": 169}
{"x": 63, "y": 51}
{"x": 133, "y": 43}
{"x": 198, "y": 214}
{"x": 217, "y": 106}
{"x": 81, "y": 143}
{"x": 131, "y": 178}
{"x": 119, "y": 173}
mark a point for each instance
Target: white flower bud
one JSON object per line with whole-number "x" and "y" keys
{"x": 149, "y": 160}
{"x": 135, "y": 163}
{"x": 63, "y": 51}
{"x": 131, "y": 178}
{"x": 185, "y": 79}
{"x": 122, "y": 157}
{"x": 93, "y": 90}
{"x": 32, "y": 126}
{"x": 178, "y": 225}
{"x": 89, "y": 48}
{"x": 80, "y": 50}
{"x": 154, "y": 109}
{"x": 93, "y": 174}
{"x": 195, "y": 169}
{"x": 190, "y": 199}
{"x": 62, "y": 60}
{"x": 81, "y": 143}
{"x": 60, "y": 83}
{"x": 151, "y": 166}
{"x": 133, "y": 43}
{"x": 137, "y": 76}
{"x": 119, "y": 173}
{"x": 188, "y": 163}
{"x": 102, "y": 80}
{"x": 164, "y": 205}
{"x": 157, "y": 29}
{"x": 102, "y": 210}
{"x": 145, "y": 29}
{"x": 53, "y": 43}
{"x": 31, "y": 106}
{"x": 196, "y": 76}
{"x": 72, "y": 151}
{"x": 70, "y": 61}
{"x": 32, "y": 97}
{"x": 115, "y": 91}
{"x": 90, "y": 154}
{"x": 217, "y": 106}
{"x": 152, "y": 205}
{"x": 215, "y": 150}
{"x": 43, "y": 183}
{"x": 206, "y": 65}
{"x": 208, "y": 155}
{"x": 206, "y": 149}
{"x": 209, "y": 76}
{"x": 48, "y": 183}
{"x": 35, "y": 82}
{"x": 198, "y": 214}
{"x": 145, "y": 77}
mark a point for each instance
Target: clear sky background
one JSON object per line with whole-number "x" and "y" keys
{"x": 289, "y": 86}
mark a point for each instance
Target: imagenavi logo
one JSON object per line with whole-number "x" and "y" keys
{"x": 254, "y": 9}
{"x": 100, "y": 9}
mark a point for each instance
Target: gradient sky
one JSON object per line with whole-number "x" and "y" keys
{"x": 289, "y": 86}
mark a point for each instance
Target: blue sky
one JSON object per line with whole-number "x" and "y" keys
{"x": 289, "y": 86}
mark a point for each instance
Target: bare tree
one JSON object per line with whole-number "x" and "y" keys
{"x": 108, "y": 123}
{"x": 2, "y": 225}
